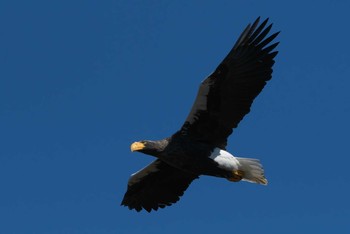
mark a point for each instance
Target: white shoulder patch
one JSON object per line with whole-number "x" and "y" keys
{"x": 137, "y": 176}
{"x": 225, "y": 160}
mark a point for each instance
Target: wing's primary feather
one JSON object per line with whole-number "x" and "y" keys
{"x": 225, "y": 97}
{"x": 156, "y": 186}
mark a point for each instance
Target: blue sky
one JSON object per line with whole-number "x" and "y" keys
{"x": 81, "y": 80}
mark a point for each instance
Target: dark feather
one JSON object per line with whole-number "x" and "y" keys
{"x": 156, "y": 186}
{"x": 225, "y": 97}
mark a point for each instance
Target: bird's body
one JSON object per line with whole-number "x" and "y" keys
{"x": 190, "y": 156}
{"x": 199, "y": 147}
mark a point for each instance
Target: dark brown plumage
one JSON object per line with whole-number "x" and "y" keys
{"x": 198, "y": 148}
{"x": 158, "y": 189}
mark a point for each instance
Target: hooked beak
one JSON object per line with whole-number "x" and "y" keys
{"x": 136, "y": 146}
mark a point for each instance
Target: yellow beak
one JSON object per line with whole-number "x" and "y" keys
{"x": 137, "y": 146}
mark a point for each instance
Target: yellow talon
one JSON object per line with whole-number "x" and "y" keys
{"x": 236, "y": 176}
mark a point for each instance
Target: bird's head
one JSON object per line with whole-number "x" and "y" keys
{"x": 148, "y": 147}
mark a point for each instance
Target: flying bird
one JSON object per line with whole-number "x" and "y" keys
{"x": 199, "y": 147}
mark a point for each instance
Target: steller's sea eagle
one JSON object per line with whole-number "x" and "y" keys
{"x": 199, "y": 147}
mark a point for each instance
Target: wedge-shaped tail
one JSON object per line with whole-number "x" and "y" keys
{"x": 253, "y": 170}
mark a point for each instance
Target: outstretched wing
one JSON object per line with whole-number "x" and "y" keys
{"x": 225, "y": 97}
{"x": 156, "y": 186}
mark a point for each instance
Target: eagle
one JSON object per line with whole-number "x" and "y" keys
{"x": 199, "y": 147}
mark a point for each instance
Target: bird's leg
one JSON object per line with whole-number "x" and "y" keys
{"x": 236, "y": 176}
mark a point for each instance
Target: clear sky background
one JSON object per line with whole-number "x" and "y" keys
{"x": 81, "y": 80}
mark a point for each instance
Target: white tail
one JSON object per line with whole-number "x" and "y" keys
{"x": 253, "y": 170}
